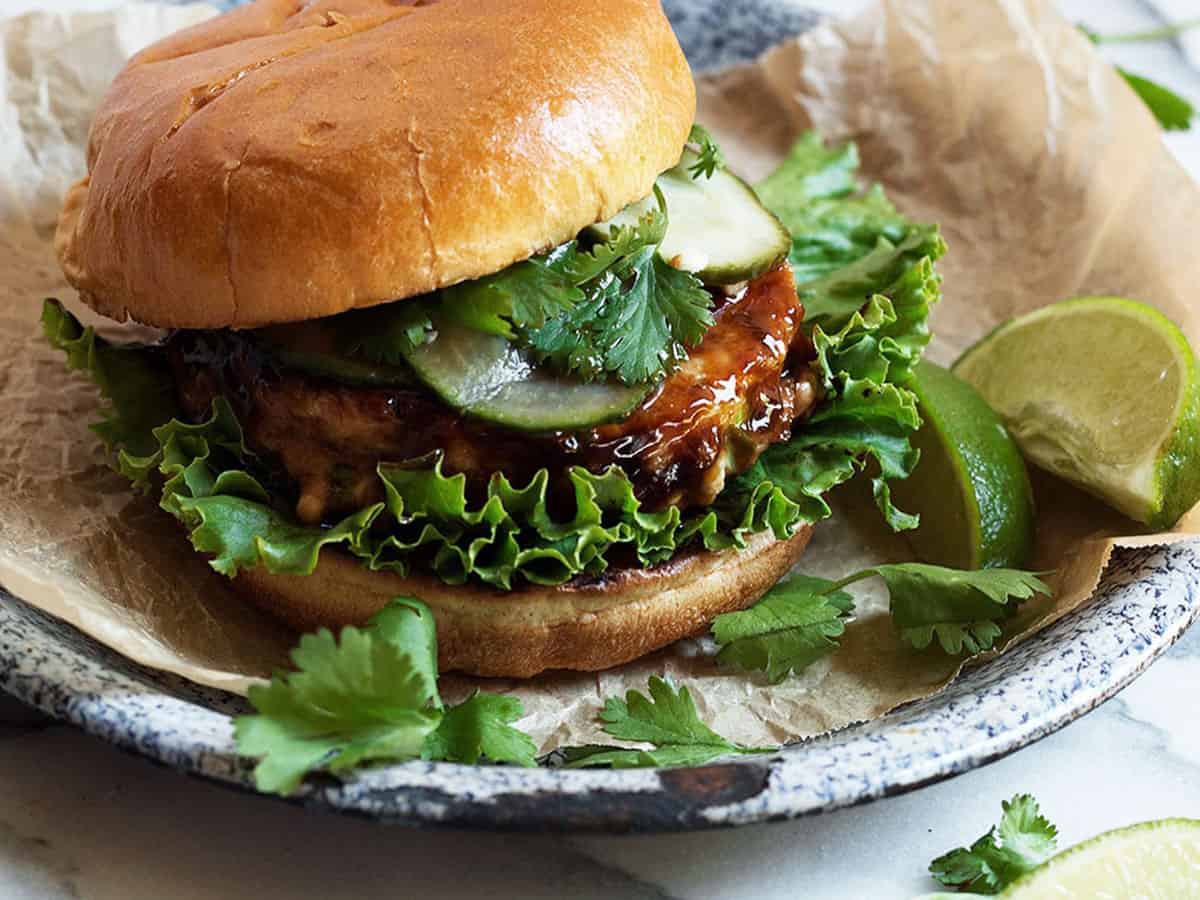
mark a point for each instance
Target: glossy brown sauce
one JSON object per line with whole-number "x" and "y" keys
{"x": 739, "y": 391}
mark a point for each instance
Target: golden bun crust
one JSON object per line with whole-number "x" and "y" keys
{"x": 291, "y": 160}
{"x": 585, "y": 625}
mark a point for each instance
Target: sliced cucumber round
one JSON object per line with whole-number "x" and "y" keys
{"x": 716, "y": 227}
{"x": 344, "y": 369}
{"x": 311, "y": 348}
{"x": 488, "y": 377}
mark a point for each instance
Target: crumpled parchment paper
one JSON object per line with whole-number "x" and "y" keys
{"x": 994, "y": 118}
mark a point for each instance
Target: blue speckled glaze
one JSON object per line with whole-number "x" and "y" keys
{"x": 1146, "y": 600}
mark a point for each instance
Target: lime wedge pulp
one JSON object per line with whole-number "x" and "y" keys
{"x": 1103, "y": 392}
{"x": 970, "y": 485}
{"x": 1155, "y": 860}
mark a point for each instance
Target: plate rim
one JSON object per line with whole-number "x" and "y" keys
{"x": 1138, "y": 587}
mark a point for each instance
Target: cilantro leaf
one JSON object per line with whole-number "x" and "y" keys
{"x": 955, "y": 638}
{"x": 789, "y": 629}
{"x": 668, "y": 720}
{"x": 1172, "y": 111}
{"x": 523, "y": 296}
{"x": 1024, "y": 840}
{"x": 960, "y": 608}
{"x": 795, "y": 623}
{"x": 481, "y": 726}
{"x": 666, "y": 717}
{"x": 617, "y": 250}
{"x": 615, "y": 308}
{"x": 638, "y": 316}
{"x": 370, "y": 696}
{"x": 384, "y": 334}
{"x": 648, "y": 327}
{"x": 709, "y": 156}
{"x": 1025, "y": 830}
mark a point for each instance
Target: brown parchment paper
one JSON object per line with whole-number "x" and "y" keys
{"x": 994, "y": 118}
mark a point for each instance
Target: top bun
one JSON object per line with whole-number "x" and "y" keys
{"x": 291, "y": 160}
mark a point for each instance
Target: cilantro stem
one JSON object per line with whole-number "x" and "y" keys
{"x": 1162, "y": 33}
{"x": 848, "y": 580}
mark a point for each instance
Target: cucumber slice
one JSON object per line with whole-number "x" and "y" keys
{"x": 716, "y": 228}
{"x": 344, "y": 369}
{"x": 488, "y": 377}
{"x": 311, "y": 347}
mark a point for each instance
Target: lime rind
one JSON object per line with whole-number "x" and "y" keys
{"x": 1159, "y": 859}
{"x": 971, "y": 487}
{"x": 1177, "y": 475}
{"x": 1148, "y": 469}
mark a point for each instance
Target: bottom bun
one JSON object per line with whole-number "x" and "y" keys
{"x": 588, "y": 623}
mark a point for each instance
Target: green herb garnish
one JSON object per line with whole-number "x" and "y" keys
{"x": 668, "y": 720}
{"x": 798, "y": 620}
{"x": 1173, "y": 112}
{"x": 1023, "y": 841}
{"x": 709, "y": 157}
{"x": 789, "y": 629}
{"x": 371, "y": 696}
{"x": 638, "y": 316}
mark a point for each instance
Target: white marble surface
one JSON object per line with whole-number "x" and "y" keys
{"x": 80, "y": 819}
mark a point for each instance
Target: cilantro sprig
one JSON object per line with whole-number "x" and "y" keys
{"x": 961, "y": 609}
{"x": 481, "y": 728}
{"x": 383, "y": 334}
{"x": 527, "y": 294}
{"x": 371, "y": 696}
{"x": 638, "y": 316}
{"x": 668, "y": 720}
{"x": 709, "y": 157}
{"x": 798, "y": 621}
{"x": 614, "y": 309}
{"x": 1173, "y": 112}
{"x": 1023, "y": 841}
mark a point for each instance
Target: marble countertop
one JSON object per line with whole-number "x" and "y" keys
{"x": 81, "y": 819}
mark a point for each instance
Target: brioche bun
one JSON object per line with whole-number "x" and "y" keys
{"x": 291, "y": 160}
{"x": 586, "y": 624}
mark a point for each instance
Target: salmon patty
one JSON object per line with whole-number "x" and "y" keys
{"x": 739, "y": 391}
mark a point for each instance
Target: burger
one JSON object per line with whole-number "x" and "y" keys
{"x": 453, "y": 300}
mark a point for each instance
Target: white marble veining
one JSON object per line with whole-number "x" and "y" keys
{"x": 80, "y": 819}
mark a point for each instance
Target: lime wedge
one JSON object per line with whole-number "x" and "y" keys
{"x": 1156, "y": 860}
{"x": 970, "y": 486}
{"x": 1103, "y": 392}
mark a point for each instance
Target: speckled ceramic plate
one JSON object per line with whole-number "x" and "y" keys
{"x": 1147, "y": 599}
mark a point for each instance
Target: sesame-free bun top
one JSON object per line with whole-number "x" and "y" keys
{"x": 291, "y": 160}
